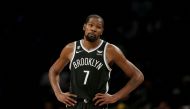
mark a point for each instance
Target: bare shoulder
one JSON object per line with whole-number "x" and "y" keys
{"x": 69, "y": 46}
{"x": 67, "y": 50}
{"x": 111, "y": 48}
{"x": 113, "y": 52}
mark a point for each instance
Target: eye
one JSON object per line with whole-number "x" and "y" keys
{"x": 90, "y": 25}
{"x": 99, "y": 27}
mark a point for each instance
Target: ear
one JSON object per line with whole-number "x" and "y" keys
{"x": 84, "y": 27}
{"x": 102, "y": 31}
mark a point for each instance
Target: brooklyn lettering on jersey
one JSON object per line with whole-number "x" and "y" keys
{"x": 87, "y": 62}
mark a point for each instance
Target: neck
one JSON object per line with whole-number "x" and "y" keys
{"x": 90, "y": 45}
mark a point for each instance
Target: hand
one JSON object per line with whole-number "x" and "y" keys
{"x": 104, "y": 98}
{"x": 67, "y": 98}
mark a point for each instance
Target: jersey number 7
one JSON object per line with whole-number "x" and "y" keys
{"x": 86, "y": 77}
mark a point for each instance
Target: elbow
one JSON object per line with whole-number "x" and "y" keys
{"x": 141, "y": 77}
{"x": 51, "y": 72}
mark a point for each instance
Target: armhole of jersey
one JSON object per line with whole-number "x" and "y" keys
{"x": 105, "y": 59}
{"x": 73, "y": 54}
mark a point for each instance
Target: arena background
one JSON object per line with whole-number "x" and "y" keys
{"x": 152, "y": 34}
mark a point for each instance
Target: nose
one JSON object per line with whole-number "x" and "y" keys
{"x": 93, "y": 29}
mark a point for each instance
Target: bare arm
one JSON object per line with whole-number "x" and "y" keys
{"x": 115, "y": 55}
{"x": 54, "y": 73}
{"x": 136, "y": 76}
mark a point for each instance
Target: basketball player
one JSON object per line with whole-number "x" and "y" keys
{"x": 90, "y": 61}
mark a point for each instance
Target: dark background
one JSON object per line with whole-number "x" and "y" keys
{"x": 152, "y": 34}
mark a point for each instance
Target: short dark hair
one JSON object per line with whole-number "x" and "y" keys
{"x": 95, "y": 16}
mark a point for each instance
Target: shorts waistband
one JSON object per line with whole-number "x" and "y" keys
{"x": 85, "y": 100}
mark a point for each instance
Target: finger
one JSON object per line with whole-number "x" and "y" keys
{"x": 99, "y": 101}
{"x": 72, "y": 95}
{"x": 72, "y": 100}
{"x": 67, "y": 104}
{"x": 99, "y": 94}
{"x": 70, "y": 103}
{"x": 94, "y": 98}
{"x": 97, "y": 97}
{"x": 102, "y": 103}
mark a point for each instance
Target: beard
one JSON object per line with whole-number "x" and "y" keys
{"x": 91, "y": 37}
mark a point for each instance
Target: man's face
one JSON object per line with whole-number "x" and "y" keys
{"x": 93, "y": 29}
